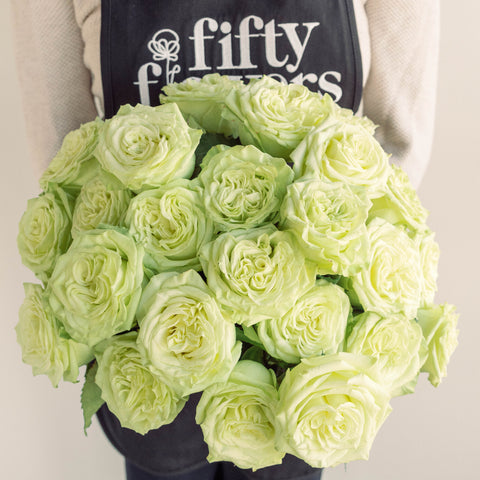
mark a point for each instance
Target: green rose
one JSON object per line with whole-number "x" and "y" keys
{"x": 237, "y": 417}
{"x": 400, "y": 204}
{"x": 329, "y": 221}
{"x": 315, "y": 325}
{"x": 74, "y": 164}
{"x": 330, "y": 410}
{"x": 183, "y": 335}
{"x": 139, "y": 399}
{"x": 256, "y": 274}
{"x": 102, "y": 200}
{"x": 203, "y": 100}
{"x": 392, "y": 281}
{"x": 396, "y": 343}
{"x": 344, "y": 152}
{"x": 243, "y": 186}
{"x": 44, "y": 231}
{"x": 429, "y": 256}
{"x": 171, "y": 224}
{"x": 148, "y": 146}
{"x": 96, "y": 285}
{"x": 43, "y": 347}
{"x": 439, "y": 325}
{"x": 273, "y": 116}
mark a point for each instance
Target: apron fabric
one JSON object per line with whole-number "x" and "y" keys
{"x": 146, "y": 44}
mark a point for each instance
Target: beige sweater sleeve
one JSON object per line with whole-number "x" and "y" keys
{"x": 53, "y": 78}
{"x": 400, "y": 91}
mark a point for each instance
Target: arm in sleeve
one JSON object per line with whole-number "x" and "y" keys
{"x": 54, "y": 81}
{"x": 400, "y": 92}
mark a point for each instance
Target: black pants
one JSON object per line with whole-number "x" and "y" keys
{"x": 212, "y": 471}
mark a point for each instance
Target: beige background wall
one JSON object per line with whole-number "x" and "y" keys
{"x": 433, "y": 434}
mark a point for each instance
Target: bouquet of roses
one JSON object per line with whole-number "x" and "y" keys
{"x": 248, "y": 241}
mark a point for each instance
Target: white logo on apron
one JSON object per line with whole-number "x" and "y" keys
{"x": 165, "y": 46}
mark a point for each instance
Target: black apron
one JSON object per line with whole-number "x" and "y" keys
{"x": 146, "y": 44}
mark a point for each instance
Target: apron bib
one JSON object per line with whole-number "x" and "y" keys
{"x": 146, "y": 44}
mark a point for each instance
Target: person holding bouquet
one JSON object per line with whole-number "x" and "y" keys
{"x": 86, "y": 58}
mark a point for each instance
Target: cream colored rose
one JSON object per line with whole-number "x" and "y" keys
{"x": 237, "y": 417}
{"x": 397, "y": 345}
{"x": 44, "y": 345}
{"x": 392, "y": 282}
{"x": 147, "y": 146}
{"x": 347, "y": 152}
{"x": 330, "y": 410}
{"x": 439, "y": 325}
{"x": 139, "y": 399}
{"x": 314, "y": 325}
{"x": 329, "y": 222}
{"x": 183, "y": 335}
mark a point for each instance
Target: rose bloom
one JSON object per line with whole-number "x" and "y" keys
{"x": 170, "y": 222}
{"x": 315, "y": 325}
{"x": 204, "y": 100}
{"x": 256, "y": 274}
{"x": 439, "y": 325}
{"x": 184, "y": 337}
{"x": 237, "y": 417}
{"x": 147, "y": 146}
{"x": 102, "y": 200}
{"x": 330, "y": 410}
{"x": 397, "y": 345}
{"x": 139, "y": 399}
{"x": 43, "y": 345}
{"x": 44, "y": 231}
{"x": 329, "y": 222}
{"x": 74, "y": 164}
{"x": 347, "y": 152}
{"x": 273, "y": 116}
{"x": 392, "y": 282}
{"x": 243, "y": 186}
{"x": 400, "y": 205}
{"x": 96, "y": 285}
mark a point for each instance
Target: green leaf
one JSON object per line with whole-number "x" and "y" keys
{"x": 255, "y": 354}
{"x": 249, "y": 335}
{"x": 91, "y": 397}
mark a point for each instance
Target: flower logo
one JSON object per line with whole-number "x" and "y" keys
{"x": 165, "y": 46}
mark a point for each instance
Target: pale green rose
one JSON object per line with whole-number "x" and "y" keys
{"x": 429, "y": 257}
{"x": 274, "y": 116}
{"x": 102, "y": 200}
{"x": 43, "y": 347}
{"x": 330, "y": 410}
{"x": 344, "y": 152}
{"x": 74, "y": 164}
{"x": 392, "y": 282}
{"x": 256, "y": 274}
{"x": 400, "y": 204}
{"x": 329, "y": 221}
{"x": 203, "y": 99}
{"x": 96, "y": 285}
{"x": 397, "y": 345}
{"x": 237, "y": 417}
{"x": 243, "y": 186}
{"x": 44, "y": 231}
{"x": 184, "y": 336}
{"x": 148, "y": 146}
{"x": 138, "y": 398}
{"x": 439, "y": 325}
{"x": 171, "y": 224}
{"x": 315, "y": 325}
